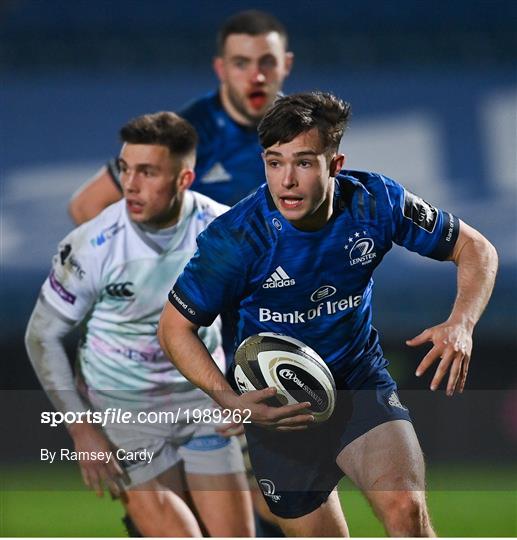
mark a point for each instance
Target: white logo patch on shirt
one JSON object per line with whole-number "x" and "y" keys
{"x": 394, "y": 401}
{"x": 279, "y": 278}
{"x": 217, "y": 173}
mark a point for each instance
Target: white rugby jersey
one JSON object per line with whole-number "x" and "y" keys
{"x": 111, "y": 272}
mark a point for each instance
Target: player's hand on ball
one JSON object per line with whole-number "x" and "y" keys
{"x": 97, "y": 474}
{"x": 452, "y": 344}
{"x": 285, "y": 418}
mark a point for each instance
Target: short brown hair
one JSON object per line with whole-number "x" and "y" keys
{"x": 251, "y": 22}
{"x": 162, "y": 128}
{"x": 298, "y": 113}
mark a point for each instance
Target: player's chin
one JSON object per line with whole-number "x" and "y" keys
{"x": 257, "y": 112}
{"x": 293, "y": 214}
{"x": 138, "y": 217}
{"x": 255, "y": 115}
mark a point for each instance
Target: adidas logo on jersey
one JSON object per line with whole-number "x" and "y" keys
{"x": 217, "y": 173}
{"x": 277, "y": 279}
{"x": 394, "y": 401}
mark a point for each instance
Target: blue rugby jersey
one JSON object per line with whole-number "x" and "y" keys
{"x": 315, "y": 286}
{"x": 229, "y": 165}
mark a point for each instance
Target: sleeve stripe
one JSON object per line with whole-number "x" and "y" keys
{"x": 248, "y": 238}
{"x": 373, "y": 207}
{"x": 448, "y": 237}
{"x": 360, "y": 204}
{"x": 259, "y": 234}
{"x": 261, "y": 220}
{"x": 194, "y": 315}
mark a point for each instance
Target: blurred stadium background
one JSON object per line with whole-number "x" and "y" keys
{"x": 433, "y": 87}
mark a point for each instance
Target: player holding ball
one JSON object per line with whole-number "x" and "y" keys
{"x": 297, "y": 258}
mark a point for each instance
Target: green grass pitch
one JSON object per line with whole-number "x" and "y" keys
{"x": 43, "y": 500}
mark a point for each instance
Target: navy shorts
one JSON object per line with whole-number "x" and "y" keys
{"x": 297, "y": 470}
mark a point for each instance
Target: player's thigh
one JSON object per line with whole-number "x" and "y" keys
{"x": 388, "y": 457}
{"x": 326, "y": 521}
{"x": 223, "y": 503}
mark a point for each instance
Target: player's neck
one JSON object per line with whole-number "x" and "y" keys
{"x": 233, "y": 113}
{"x": 168, "y": 220}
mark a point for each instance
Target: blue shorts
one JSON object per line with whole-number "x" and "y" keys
{"x": 297, "y": 470}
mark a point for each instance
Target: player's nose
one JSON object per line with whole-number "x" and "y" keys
{"x": 131, "y": 183}
{"x": 289, "y": 178}
{"x": 257, "y": 76}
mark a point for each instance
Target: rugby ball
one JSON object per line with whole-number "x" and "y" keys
{"x": 297, "y": 372}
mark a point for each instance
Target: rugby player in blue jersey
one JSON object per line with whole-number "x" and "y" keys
{"x": 251, "y": 64}
{"x": 320, "y": 225}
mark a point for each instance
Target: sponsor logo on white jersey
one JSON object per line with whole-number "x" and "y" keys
{"x": 67, "y": 257}
{"x": 122, "y": 290}
{"x": 66, "y": 295}
{"x": 279, "y": 278}
{"x": 106, "y": 234}
{"x": 323, "y": 308}
{"x": 217, "y": 173}
{"x": 360, "y": 249}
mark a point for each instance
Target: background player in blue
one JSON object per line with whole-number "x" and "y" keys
{"x": 312, "y": 228}
{"x": 251, "y": 64}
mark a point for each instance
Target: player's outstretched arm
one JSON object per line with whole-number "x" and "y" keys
{"x": 44, "y": 343}
{"x": 93, "y": 196}
{"x": 180, "y": 341}
{"x": 476, "y": 259}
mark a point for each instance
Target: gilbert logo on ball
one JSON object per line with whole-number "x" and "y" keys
{"x": 294, "y": 369}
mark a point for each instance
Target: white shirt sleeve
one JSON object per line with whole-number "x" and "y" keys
{"x": 44, "y": 343}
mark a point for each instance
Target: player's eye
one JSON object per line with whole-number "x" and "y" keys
{"x": 305, "y": 163}
{"x": 273, "y": 163}
{"x": 268, "y": 62}
{"x": 240, "y": 63}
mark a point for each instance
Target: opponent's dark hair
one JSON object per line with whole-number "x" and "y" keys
{"x": 251, "y": 22}
{"x": 295, "y": 114}
{"x": 163, "y": 128}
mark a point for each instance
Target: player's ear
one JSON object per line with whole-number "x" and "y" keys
{"x": 289, "y": 59}
{"x": 336, "y": 164}
{"x": 218, "y": 66}
{"x": 185, "y": 179}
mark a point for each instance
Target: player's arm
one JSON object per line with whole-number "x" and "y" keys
{"x": 180, "y": 341}
{"x": 476, "y": 261}
{"x": 44, "y": 341}
{"x": 95, "y": 195}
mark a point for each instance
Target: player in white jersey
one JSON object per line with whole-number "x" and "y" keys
{"x": 113, "y": 272}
